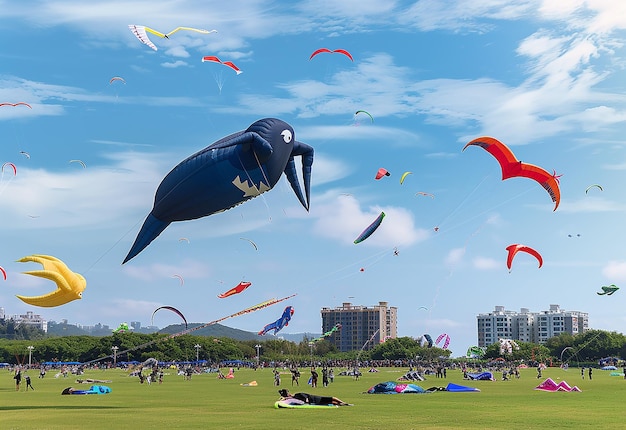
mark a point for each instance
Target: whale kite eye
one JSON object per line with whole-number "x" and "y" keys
{"x": 286, "y": 134}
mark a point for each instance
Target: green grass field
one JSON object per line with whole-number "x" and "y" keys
{"x": 206, "y": 402}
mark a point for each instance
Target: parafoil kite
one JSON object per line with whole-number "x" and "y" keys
{"x": 422, "y": 307}
{"x": 180, "y": 279}
{"x": 335, "y": 328}
{"x": 240, "y": 288}
{"x": 214, "y": 59}
{"x": 25, "y": 154}
{"x": 12, "y": 166}
{"x": 381, "y": 172}
{"x": 79, "y": 162}
{"x": 229, "y": 172}
{"x": 445, "y": 338}
{"x": 403, "y": 177}
{"x": 565, "y": 349}
{"x": 256, "y": 248}
{"x": 118, "y": 79}
{"x": 70, "y": 285}
{"x": 254, "y": 308}
{"x": 512, "y": 167}
{"x": 280, "y": 323}
{"x": 593, "y": 186}
{"x": 370, "y": 229}
{"x": 426, "y": 340}
{"x": 605, "y": 290}
{"x": 16, "y": 104}
{"x": 515, "y": 248}
{"x": 183, "y": 239}
{"x": 334, "y": 51}
{"x": 169, "y": 308}
{"x": 4, "y": 273}
{"x": 140, "y": 32}
{"x": 365, "y": 113}
{"x": 422, "y": 193}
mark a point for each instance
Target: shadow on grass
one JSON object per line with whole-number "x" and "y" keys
{"x": 73, "y": 407}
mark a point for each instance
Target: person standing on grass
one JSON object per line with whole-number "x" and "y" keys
{"x": 28, "y": 384}
{"x": 18, "y": 379}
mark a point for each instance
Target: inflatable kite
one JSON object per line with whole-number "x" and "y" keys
{"x": 70, "y": 285}
{"x": 512, "y": 167}
{"x": 94, "y": 389}
{"x": 240, "y": 288}
{"x": 551, "y": 386}
{"x": 507, "y": 346}
{"x": 122, "y": 328}
{"x": 280, "y": 323}
{"x": 140, "y": 31}
{"x": 370, "y": 229}
{"x": 475, "y": 352}
{"x": 482, "y": 376}
{"x": 515, "y": 248}
{"x": 605, "y": 290}
{"x": 335, "y": 51}
{"x": 391, "y": 387}
{"x": 227, "y": 173}
{"x": 337, "y": 327}
{"x": 169, "y": 308}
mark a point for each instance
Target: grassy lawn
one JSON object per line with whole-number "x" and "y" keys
{"x": 206, "y": 402}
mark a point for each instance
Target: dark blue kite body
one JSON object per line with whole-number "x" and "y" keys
{"x": 278, "y": 325}
{"x": 228, "y": 172}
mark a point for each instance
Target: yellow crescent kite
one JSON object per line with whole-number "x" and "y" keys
{"x": 140, "y": 32}
{"x": 70, "y": 285}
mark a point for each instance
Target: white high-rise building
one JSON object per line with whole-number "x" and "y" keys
{"x": 526, "y": 326}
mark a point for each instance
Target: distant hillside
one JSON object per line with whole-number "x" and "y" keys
{"x": 215, "y": 330}
{"x": 218, "y": 330}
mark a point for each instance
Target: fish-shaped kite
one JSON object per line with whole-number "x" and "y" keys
{"x": 236, "y": 290}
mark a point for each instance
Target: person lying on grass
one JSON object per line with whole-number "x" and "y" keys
{"x": 311, "y": 399}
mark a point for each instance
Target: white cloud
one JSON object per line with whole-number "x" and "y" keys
{"x": 344, "y": 220}
{"x": 615, "y": 271}
{"x": 175, "y": 64}
{"x": 484, "y": 263}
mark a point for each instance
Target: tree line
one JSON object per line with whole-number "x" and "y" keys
{"x": 16, "y": 338}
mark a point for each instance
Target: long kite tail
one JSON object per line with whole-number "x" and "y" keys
{"x": 187, "y": 331}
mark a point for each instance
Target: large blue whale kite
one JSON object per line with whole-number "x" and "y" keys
{"x": 231, "y": 171}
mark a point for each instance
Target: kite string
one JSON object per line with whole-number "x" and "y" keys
{"x": 187, "y": 331}
{"x": 456, "y": 209}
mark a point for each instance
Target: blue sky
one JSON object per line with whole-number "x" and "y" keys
{"x": 544, "y": 77}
